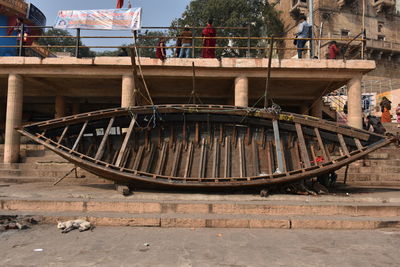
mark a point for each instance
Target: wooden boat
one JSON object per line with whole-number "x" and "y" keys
{"x": 203, "y": 146}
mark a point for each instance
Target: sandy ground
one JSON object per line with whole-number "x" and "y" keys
{"x": 124, "y": 246}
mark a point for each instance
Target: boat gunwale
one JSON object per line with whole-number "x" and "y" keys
{"x": 304, "y": 120}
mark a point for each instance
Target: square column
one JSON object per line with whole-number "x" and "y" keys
{"x": 13, "y": 118}
{"x": 242, "y": 91}
{"x": 60, "y": 104}
{"x": 128, "y": 91}
{"x": 354, "y": 117}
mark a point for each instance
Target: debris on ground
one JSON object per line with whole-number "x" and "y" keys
{"x": 15, "y": 222}
{"x": 81, "y": 225}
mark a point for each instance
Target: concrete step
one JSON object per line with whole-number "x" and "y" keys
{"x": 371, "y": 177}
{"x": 43, "y": 179}
{"x": 395, "y": 170}
{"x": 217, "y": 221}
{"x": 245, "y": 208}
{"x": 49, "y": 173}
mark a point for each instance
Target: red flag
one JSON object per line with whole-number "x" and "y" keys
{"x": 120, "y": 3}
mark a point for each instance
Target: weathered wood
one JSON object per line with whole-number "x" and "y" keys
{"x": 63, "y": 134}
{"x": 177, "y": 156}
{"x": 138, "y": 158}
{"x": 100, "y": 150}
{"x": 321, "y": 145}
{"x": 216, "y": 152}
{"x": 358, "y": 144}
{"x": 284, "y": 164}
{"x": 189, "y": 159}
{"x": 242, "y": 159}
{"x": 270, "y": 159}
{"x": 78, "y": 139}
{"x": 256, "y": 160}
{"x": 152, "y": 154}
{"x": 125, "y": 142}
{"x": 227, "y": 157}
{"x": 197, "y": 133}
{"x": 202, "y": 162}
{"x": 162, "y": 158}
{"x": 277, "y": 138}
{"x": 314, "y": 156}
{"x": 343, "y": 145}
{"x": 303, "y": 149}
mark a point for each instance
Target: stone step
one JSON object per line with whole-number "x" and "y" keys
{"x": 50, "y": 172}
{"x": 371, "y": 177}
{"x": 203, "y": 207}
{"x": 395, "y": 170}
{"x": 217, "y": 221}
{"x": 38, "y": 166}
{"x": 66, "y": 180}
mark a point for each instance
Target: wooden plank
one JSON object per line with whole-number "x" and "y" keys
{"x": 302, "y": 144}
{"x": 283, "y": 157}
{"x": 343, "y": 145}
{"x": 202, "y": 162}
{"x": 358, "y": 144}
{"x": 227, "y": 159}
{"x": 162, "y": 158}
{"x": 216, "y": 152}
{"x": 269, "y": 158}
{"x": 152, "y": 154}
{"x": 175, "y": 164}
{"x": 314, "y": 156}
{"x": 79, "y": 136}
{"x": 197, "y": 133}
{"x": 321, "y": 145}
{"x": 100, "y": 150}
{"x": 125, "y": 142}
{"x": 256, "y": 159}
{"x": 63, "y": 134}
{"x": 189, "y": 159}
{"x": 242, "y": 159}
{"x": 279, "y": 154}
{"x": 138, "y": 158}
{"x": 263, "y": 138}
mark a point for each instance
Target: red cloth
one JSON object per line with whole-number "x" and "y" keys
{"x": 160, "y": 49}
{"x": 333, "y": 51}
{"x": 120, "y": 3}
{"x": 209, "y": 31}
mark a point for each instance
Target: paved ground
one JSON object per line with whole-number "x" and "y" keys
{"x": 118, "y": 246}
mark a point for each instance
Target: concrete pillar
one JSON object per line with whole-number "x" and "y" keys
{"x": 242, "y": 91}
{"x": 128, "y": 91}
{"x": 13, "y": 118}
{"x": 75, "y": 108}
{"x": 354, "y": 117}
{"x": 60, "y": 105}
{"x": 316, "y": 109}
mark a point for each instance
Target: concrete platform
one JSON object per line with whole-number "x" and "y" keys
{"x": 362, "y": 208}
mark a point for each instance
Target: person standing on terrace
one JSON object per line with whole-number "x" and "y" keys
{"x": 209, "y": 43}
{"x": 186, "y": 37}
{"x": 303, "y": 32}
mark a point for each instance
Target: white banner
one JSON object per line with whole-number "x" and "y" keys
{"x": 101, "y": 19}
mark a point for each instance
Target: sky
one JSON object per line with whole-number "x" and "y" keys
{"x": 155, "y": 13}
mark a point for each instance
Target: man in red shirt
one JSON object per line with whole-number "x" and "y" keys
{"x": 209, "y": 43}
{"x": 333, "y": 50}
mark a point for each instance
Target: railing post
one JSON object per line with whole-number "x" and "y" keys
{"x": 21, "y": 40}
{"x": 78, "y": 39}
{"x": 193, "y": 43}
{"x": 248, "y": 40}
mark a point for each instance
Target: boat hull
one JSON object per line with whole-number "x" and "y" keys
{"x": 203, "y": 147}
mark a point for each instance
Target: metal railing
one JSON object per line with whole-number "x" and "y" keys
{"x": 252, "y": 45}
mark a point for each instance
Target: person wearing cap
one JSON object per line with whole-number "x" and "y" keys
{"x": 186, "y": 39}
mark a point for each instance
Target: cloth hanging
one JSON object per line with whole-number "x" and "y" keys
{"x": 120, "y": 3}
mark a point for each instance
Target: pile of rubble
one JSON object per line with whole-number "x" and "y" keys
{"x": 17, "y": 222}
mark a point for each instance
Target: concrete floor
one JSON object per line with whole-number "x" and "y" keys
{"x": 107, "y": 246}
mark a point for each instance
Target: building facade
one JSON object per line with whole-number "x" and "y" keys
{"x": 344, "y": 20}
